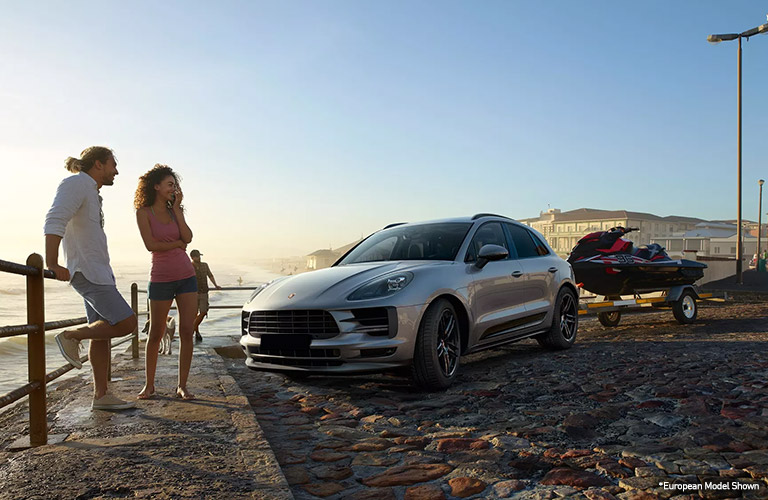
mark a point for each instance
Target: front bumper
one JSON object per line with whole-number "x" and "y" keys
{"x": 346, "y": 352}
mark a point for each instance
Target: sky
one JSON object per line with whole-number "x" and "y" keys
{"x": 301, "y": 125}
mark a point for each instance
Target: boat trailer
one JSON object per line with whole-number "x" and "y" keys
{"x": 681, "y": 299}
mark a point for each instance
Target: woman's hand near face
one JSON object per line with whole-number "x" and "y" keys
{"x": 177, "y": 200}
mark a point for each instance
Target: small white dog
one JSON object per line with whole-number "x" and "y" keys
{"x": 170, "y": 332}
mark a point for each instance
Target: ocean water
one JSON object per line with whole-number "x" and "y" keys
{"x": 62, "y": 302}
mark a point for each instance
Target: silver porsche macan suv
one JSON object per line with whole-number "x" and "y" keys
{"x": 416, "y": 296}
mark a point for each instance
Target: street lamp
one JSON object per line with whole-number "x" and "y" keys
{"x": 759, "y": 223}
{"x": 763, "y": 28}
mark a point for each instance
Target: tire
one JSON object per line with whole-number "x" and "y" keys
{"x": 437, "y": 351}
{"x": 565, "y": 322}
{"x": 609, "y": 319}
{"x": 685, "y": 309}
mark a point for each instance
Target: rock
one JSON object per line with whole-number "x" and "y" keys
{"x": 632, "y": 462}
{"x": 296, "y": 475}
{"x": 327, "y": 456}
{"x": 581, "y": 420}
{"x": 323, "y": 489}
{"x": 653, "y": 403}
{"x": 510, "y": 443}
{"x": 731, "y": 473}
{"x": 593, "y": 494}
{"x": 408, "y": 474}
{"x": 451, "y": 445}
{"x": 571, "y": 477}
{"x": 738, "y": 413}
{"x": 331, "y": 472}
{"x": 504, "y": 489}
{"x": 417, "y": 441}
{"x": 641, "y": 483}
{"x": 425, "y": 492}
{"x": 647, "y": 472}
{"x": 580, "y": 433}
{"x": 664, "y": 420}
{"x": 345, "y": 432}
{"x": 612, "y": 468}
{"x": 374, "y": 459}
{"x": 576, "y": 453}
{"x": 463, "y": 487}
{"x": 370, "y": 444}
{"x": 370, "y": 419}
{"x": 465, "y": 457}
{"x": 373, "y": 494}
{"x": 758, "y": 471}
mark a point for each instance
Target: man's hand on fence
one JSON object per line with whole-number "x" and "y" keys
{"x": 62, "y": 273}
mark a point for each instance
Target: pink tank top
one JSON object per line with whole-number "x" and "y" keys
{"x": 168, "y": 265}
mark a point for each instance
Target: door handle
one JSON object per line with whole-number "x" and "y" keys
{"x": 517, "y": 274}
{"x": 552, "y": 269}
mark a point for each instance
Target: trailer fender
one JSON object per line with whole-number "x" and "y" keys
{"x": 676, "y": 292}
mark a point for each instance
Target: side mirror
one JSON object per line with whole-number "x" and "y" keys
{"x": 490, "y": 253}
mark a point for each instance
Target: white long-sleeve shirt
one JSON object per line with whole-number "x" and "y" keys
{"x": 77, "y": 217}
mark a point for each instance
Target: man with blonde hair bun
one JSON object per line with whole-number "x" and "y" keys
{"x": 76, "y": 218}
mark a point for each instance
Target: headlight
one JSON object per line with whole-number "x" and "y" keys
{"x": 382, "y": 287}
{"x": 265, "y": 285}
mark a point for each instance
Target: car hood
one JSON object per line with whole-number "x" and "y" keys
{"x": 318, "y": 289}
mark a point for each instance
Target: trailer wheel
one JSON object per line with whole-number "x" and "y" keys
{"x": 609, "y": 318}
{"x": 685, "y": 309}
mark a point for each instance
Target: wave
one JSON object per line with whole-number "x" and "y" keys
{"x": 13, "y": 291}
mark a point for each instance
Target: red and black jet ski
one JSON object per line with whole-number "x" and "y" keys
{"x": 606, "y": 264}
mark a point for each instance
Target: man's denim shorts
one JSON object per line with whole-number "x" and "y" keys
{"x": 102, "y": 302}
{"x": 169, "y": 290}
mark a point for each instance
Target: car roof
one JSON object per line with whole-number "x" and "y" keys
{"x": 468, "y": 219}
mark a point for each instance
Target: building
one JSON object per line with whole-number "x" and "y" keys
{"x": 563, "y": 229}
{"x": 321, "y": 259}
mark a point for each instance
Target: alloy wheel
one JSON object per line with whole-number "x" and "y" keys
{"x": 568, "y": 314}
{"x": 448, "y": 343}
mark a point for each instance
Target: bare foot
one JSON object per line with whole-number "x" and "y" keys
{"x": 146, "y": 393}
{"x": 183, "y": 393}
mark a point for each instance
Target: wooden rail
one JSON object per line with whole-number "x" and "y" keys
{"x": 35, "y": 331}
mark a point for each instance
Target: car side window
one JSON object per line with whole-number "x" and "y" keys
{"x": 541, "y": 247}
{"x": 524, "y": 243}
{"x": 490, "y": 233}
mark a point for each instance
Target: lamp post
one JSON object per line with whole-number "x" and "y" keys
{"x": 759, "y": 223}
{"x": 763, "y": 28}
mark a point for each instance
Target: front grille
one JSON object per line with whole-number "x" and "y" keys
{"x": 318, "y": 324}
{"x": 303, "y": 358}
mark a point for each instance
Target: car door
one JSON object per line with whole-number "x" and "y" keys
{"x": 496, "y": 295}
{"x": 539, "y": 267}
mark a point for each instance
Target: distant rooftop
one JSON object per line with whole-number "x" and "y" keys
{"x": 586, "y": 214}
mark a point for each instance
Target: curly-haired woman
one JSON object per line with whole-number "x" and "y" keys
{"x": 160, "y": 217}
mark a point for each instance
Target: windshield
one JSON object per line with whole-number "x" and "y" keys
{"x": 440, "y": 241}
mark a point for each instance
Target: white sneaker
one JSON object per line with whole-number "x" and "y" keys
{"x": 110, "y": 402}
{"x": 70, "y": 349}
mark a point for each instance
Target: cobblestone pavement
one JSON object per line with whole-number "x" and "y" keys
{"x": 625, "y": 411}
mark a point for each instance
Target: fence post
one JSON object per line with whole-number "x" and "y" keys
{"x": 38, "y": 424}
{"x": 135, "y": 307}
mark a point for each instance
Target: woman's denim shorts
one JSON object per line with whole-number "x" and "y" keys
{"x": 169, "y": 290}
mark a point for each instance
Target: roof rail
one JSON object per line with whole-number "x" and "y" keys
{"x": 477, "y": 216}
{"x": 395, "y": 224}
